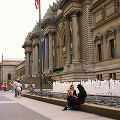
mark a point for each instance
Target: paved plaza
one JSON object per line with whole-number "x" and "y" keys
{"x": 12, "y": 108}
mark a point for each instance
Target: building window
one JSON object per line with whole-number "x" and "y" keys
{"x": 100, "y": 76}
{"x": 99, "y": 53}
{"x": 64, "y": 41}
{"x": 112, "y": 49}
{"x": 97, "y": 77}
{"x": 9, "y": 76}
{"x": 110, "y": 75}
{"x": 114, "y": 76}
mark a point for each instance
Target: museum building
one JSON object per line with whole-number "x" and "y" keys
{"x": 81, "y": 36}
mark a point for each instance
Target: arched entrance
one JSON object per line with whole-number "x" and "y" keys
{"x": 9, "y": 76}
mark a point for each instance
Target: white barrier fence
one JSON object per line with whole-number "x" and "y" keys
{"x": 97, "y": 87}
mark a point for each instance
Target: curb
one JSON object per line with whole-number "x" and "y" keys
{"x": 106, "y": 111}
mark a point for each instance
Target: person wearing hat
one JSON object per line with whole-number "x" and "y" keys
{"x": 80, "y": 99}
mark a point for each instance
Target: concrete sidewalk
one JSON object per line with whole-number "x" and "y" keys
{"x": 51, "y": 111}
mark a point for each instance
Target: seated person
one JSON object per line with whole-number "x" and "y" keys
{"x": 31, "y": 90}
{"x": 80, "y": 99}
{"x": 71, "y": 93}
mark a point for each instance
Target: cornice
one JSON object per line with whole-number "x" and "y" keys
{"x": 106, "y": 21}
{"x": 47, "y": 21}
{"x": 59, "y": 17}
{"x": 62, "y": 3}
{"x": 34, "y": 35}
{"x": 27, "y": 44}
{"x": 96, "y": 4}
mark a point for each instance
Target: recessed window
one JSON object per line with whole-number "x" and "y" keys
{"x": 99, "y": 53}
{"x": 64, "y": 41}
{"x": 114, "y": 76}
{"x": 112, "y": 49}
{"x": 97, "y": 77}
{"x": 100, "y": 77}
{"x": 9, "y": 76}
{"x": 110, "y": 75}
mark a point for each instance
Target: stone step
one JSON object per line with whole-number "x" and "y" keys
{"x": 106, "y": 111}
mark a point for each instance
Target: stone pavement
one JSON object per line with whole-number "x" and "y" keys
{"x": 12, "y": 108}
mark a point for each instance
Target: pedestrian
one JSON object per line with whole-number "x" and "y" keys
{"x": 19, "y": 85}
{"x": 12, "y": 85}
{"x": 15, "y": 87}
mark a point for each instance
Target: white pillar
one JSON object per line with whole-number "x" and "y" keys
{"x": 36, "y": 58}
{"x": 28, "y": 63}
{"x": 50, "y": 52}
{"x": 75, "y": 37}
{"x": 68, "y": 42}
{"x": 33, "y": 65}
{"x": 46, "y": 53}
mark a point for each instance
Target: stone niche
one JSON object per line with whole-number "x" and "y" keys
{"x": 110, "y": 10}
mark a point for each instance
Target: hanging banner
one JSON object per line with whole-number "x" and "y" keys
{"x": 42, "y": 44}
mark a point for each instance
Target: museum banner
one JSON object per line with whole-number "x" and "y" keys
{"x": 42, "y": 44}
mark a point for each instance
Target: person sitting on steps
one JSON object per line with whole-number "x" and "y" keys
{"x": 71, "y": 93}
{"x": 80, "y": 99}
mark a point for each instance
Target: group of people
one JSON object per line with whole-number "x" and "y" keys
{"x": 17, "y": 87}
{"x": 73, "y": 99}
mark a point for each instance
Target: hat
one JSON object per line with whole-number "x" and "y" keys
{"x": 79, "y": 85}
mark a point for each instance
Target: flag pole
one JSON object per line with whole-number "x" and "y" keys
{"x": 40, "y": 55}
{"x": 2, "y": 68}
{"x": 2, "y": 74}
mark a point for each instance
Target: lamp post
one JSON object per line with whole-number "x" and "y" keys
{"x": 40, "y": 55}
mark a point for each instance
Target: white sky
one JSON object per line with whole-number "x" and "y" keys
{"x": 17, "y": 19}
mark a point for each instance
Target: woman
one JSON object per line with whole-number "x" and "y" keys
{"x": 71, "y": 93}
{"x": 78, "y": 100}
{"x": 19, "y": 85}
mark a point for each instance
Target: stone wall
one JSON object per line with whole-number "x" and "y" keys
{"x": 93, "y": 99}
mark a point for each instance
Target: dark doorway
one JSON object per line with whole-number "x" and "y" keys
{"x": 9, "y": 76}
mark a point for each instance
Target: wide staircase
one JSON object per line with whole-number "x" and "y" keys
{"x": 46, "y": 84}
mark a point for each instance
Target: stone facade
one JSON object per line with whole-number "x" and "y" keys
{"x": 82, "y": 36}
{"x": 11, "y": 69}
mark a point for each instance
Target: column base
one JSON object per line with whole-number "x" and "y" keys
{"x": 75, "y": 67}
{"x": 66, "y": 68}
{"x": 75, "y": 61}
{"x": 50, "y": 70}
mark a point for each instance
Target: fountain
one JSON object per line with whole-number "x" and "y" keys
{"x": 92, "y": 87}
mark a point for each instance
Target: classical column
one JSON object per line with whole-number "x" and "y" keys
{"x": 36, "y": 58}
{"x": 33, "y": 65}
{"x": 75, "y": 37}
{"x": 55, "y": 47}
{"x": 28, "y": 62}
{"x": 25, "y": 62}
{"x": 46, "y": 53}
{"x": 50, "y": 52}
{"x": 68, "y": 42}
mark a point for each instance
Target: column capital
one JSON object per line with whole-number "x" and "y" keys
{"x": 46, "y": 35}
{"x": 36, "y": 44}
{"x": 27, "y": 52}
{"x": 75, "y": 12}
{"x": 51, "y": 32}
{"x": 66, "y": 18}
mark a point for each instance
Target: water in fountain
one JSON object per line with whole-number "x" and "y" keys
{"x": 97, "y": 87}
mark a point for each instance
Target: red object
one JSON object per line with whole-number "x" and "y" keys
{"x": 2, "y": 60}
{"x": 79, "y": 101}
{"x": 37, "y": 3}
